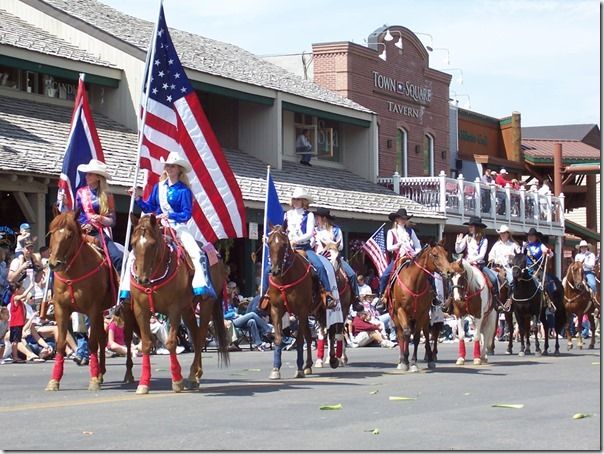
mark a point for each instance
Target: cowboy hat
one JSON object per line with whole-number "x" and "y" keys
{"x": 534, "y": 231}
{"x": 300, "y": 193}
{"x": 504, "y": 229}
{"x": 175, "y": 159}
{"x": 503, "y": 172}
{"x": 95, "y": 166}
{"x": 583, "y": 243}
{"x": 365, "y": 291}
{"x": 475, "y": 220}
{"x": 401, "y": 213}
{"x": 321, "y": 211}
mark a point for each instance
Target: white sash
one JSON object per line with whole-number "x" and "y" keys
{"x": 162, "y": 194}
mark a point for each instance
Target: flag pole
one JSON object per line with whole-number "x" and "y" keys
{"x": 147, "y": 73}
{"x": 268, "y": 173}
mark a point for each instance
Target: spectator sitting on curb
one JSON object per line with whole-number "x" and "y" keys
{"x": 364, "y": 332}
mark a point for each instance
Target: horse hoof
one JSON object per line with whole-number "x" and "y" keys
{"x": 274, "y": 375}
{"x": 100, "y": 377}
{"x": 477, "y": 361}
{"x": 142, "y": 389}
{"x": 334, "y": 362}
{"x": 569, "y": 346}
{"x": 319, "y": 363}
{"x": 491, "y": 352}
{"x": 403, "y": 366}
{"x": 508, "y": 352}
{"x": 192, "y": 383}
{"x": 520, "y": 353}
{"x": 431, "y": 365}
{"x": 178, "y": 386}
{"x": 591, "y": 347}
{"x": 544, "y": 353}
{"x": 460, "y": 361}
{"x": 414, "y": 368}
{"x": 344, "y": 360}
{"x": 557, "y": 353}
{"x": 341, "y": 362}
{"x": 308, "y": 371}
{"x": 538, "y": 353}
{"x": 53, "y": 385}
{"x": 129, "y": 379}
{"x": 580, "y": 347}
{"x": 299, "y": 374}
{"x": 94, "y": 385}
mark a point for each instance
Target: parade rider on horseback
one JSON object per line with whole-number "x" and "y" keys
{"x": 588, "y": 259}
{"x": 535, "y": 252}
{"x": 171, "y": 199}
{"x": 97, "y": 208}
{"x": 475, "y": 244}
{"x": 326, "y": 234}
{"x": 401, "y": 241}
{"x": 502, "y": 253}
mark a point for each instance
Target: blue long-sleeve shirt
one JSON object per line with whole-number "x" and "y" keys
{"x": 180, "y": 199}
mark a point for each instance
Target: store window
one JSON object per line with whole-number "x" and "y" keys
{"x": 401, "y": 152}
{"x": 324, "y": 135}
{"x": 428, "y": 156}
{"x": 39, "y": 83}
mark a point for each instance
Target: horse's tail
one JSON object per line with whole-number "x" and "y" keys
{"x": 221, "y": 334}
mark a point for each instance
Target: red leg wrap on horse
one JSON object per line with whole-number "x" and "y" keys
{"x": 94, "y": 365}
{"x": 146, "y": 370}
{"x": 57, "y": 370}
{"x": 175, "y": 368}
{"x": 462, "y": 348}
{"x": 339, "y": 348}
{"x": 476, "y": 349}
{"x": 320, "y": 348}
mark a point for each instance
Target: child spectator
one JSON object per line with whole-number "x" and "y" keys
{"x": 17, "y": 319}
{"x": 115, "y": 336}
{"x": 23, "y": 237}
{"x": 364, "y": 332}
{"x": 4, "y": 315}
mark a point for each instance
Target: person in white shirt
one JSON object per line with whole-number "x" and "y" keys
{"x": 326, "y": 234}
{"x": 474, "y": 246}
{"x": 588, "y": 259}
{"x": 401, "y": 240}
{"x": 503, "y": 251}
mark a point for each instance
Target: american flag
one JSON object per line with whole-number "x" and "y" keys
{"x": 83, "y": 145}
{"x": 375, "y": 248}
{"x": 175, "y": 121}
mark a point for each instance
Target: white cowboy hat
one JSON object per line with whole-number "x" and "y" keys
{"x": 503, "y": 229}
{"x": 583, "y": 243}
{"x": 365, "y": 291}
{"x": 300, "y": 193}
{"x": 176, "y": 159}
{"x": 503, "y": 171}
{"x": 95, "y": 166}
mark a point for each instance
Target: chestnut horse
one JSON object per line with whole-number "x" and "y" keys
{"x": 579, "y": 300}
{"x": 160, "y": 279}
{"x": 83, "y": 283}
{"x": 346, "y": 298}
{"x": 472, "y": 296}
{"x": 409, "y": 302}
{"x": 293, "y": 289}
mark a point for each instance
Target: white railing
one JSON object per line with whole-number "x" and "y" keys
{"x": 473, "y": 198}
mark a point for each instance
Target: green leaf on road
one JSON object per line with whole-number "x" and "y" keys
{"x": 466, "y": 394}
{"x": 508, "y": 405}
{"x": 374, "y": 392}
{"x": 161, "y": 370}
{"x": 581, "y": 415}
{"x": 596, "y": 363}
{"x": 401, "y": 398}
{"x": 330, "y": 407}
{"x": 252, "y": 370}
{"x": 375, "y": 431}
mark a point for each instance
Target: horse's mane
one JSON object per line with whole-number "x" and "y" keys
{"x": 471, "y": 275}
{"x": 64, "y": 220}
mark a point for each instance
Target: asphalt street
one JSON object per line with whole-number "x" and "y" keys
{"x": 238, "y": 408}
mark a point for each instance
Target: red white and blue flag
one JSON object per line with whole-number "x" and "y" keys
{"x": 83, "y": 145}
{"x": 375, "y": 248}
{"x": 175, "y": 121}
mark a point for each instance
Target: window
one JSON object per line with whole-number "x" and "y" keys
{"x": 324, "y": 135}
{"x": 428, "y": 160}
{"x": 401, "y": 152}
{"x": 38, "y": 83}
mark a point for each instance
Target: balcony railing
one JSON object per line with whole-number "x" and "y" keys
{"x": 457, "y": 196}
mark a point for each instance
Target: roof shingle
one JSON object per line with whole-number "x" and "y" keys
{"x": 571, "y": 149}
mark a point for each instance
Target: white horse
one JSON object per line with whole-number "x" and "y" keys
{"x": 472, "y": 296}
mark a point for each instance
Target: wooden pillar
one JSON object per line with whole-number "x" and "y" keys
{"x": 591, "y": 208}
{"x": 557, "y": 169}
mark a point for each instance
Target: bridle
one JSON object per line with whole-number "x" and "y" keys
{"x": 288, "y": 255}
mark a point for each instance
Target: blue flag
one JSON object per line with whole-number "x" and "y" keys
{"x": 273, "y": 215}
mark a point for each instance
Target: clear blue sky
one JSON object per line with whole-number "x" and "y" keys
{"x": 539, "y": 57}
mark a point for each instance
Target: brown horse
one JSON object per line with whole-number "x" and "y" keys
{"x": 579, "y": 300}
{"x": 410, "y": 299}
{"x": 293, "y": 289}
{"x": 161, "y": 279}
{"x": 82, "y": 283}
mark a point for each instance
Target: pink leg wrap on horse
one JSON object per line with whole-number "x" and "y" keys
{"x": 476, "y": 349}
{"x": 462, "y": 349}
{"x": 57, "y": 370}
{"x": 320, "y": 348}
{"x": 146, "y": 371}
{"x": 94, "y": 366}
{"x": 339, "y": 348}
{"x": 175, "y": 368}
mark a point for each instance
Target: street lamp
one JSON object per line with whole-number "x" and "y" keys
{"x": 383, "y": 54}
{"x": 389, "y": 37}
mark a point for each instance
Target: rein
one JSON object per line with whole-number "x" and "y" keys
{"x": 283, "y": 288}
{"x": 415, "y": 296}
{"x": 466, "y": 298}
